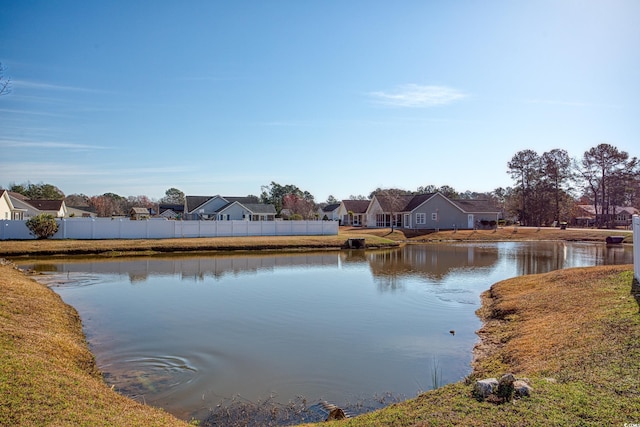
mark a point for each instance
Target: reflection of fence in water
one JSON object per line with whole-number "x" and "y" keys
{"x": 139, "y": 269}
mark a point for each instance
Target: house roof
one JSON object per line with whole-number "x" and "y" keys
{"x": 45, "y": 205}
{"x": 617, "y": 209}
{"x": 17, "y": 195}
{"x": 417, "y": 200}
{"x": 395, "y": 203}
{"x": 171, "y": 206}
{"x": 330, "y": 208}
{"x": 260, "y": 208}
{"x": 144, "y": 211}
{"x": 79, "y": 212}
{"x": 475, "y": 205}
{"x": 193, "y": 202}
{"x": 356, "y": 206}
{"x": 408, "y": 203}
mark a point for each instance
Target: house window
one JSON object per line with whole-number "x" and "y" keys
{"x": 434, "y": 216}
{"x": 421, "y": 218}
{"x": 397, "y": 220}
{"x": 383, "y": 220}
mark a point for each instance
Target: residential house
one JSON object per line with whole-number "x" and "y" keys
{"x": 138, "y": 213}
{"x": 77, "y": 212}
{"x": 386, "y": 210}
{"x": 329, "y": 212}
{"x": 586, "y": 216}
{"x": 34, "y": 207}
{"x": 15, "y": 206}
{"x": 171, "y": 211}
{"x": 353, "y": 212}
{"x": 219, "y": 208}
{"x": 8, "y": 211}
{"x": 430, "y": 211}
{"x": 55, "y": 208}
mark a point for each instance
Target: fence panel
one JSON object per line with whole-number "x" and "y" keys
{"x": 123, "y": 228}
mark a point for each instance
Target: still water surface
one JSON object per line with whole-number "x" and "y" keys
{"x": 186, "y": 333}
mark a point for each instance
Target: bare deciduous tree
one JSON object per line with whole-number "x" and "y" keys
{"x": 607, "y": 174}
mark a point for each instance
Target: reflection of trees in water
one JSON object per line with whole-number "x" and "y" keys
{"x": 192, "y": 268}
{"x": 138, "y": 277}
{"x": 541, "y": 257}
{"x": 351, "y": 256}
{"x": 428, "y": 261}
{"x": 531, "y": 259}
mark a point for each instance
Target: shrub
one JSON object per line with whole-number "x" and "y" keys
{"x": 42, "y": 226}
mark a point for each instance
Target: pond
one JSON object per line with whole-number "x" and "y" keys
{"x": 188, "y": 333}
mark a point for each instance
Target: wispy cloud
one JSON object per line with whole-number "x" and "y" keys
{"x": 66, "y": 174}
{"x": 49, "y": 144}
{"x": 49, "y": 86}
{"x": 418, "y": 96}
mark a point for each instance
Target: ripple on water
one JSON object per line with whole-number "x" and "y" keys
{"x": 142, "y": 375}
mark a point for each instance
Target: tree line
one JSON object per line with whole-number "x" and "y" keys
{"x": 547, "y": 188}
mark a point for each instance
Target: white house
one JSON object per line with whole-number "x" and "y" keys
{"x": 353, "y": 212}
{"x": 15, "y": 206}
{"x": 219, "y": 208}
{"x": 329, "y": 212}
{"x": 8, "y": 211}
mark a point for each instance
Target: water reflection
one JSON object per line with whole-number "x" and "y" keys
{"x": 193, "y": 268}
{"x": 431, "y": 262}
{"x": 185, "y": 332}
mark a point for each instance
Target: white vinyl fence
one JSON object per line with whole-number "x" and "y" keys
{"x": 636, "y": 247}
{"x": 106, "y": 228}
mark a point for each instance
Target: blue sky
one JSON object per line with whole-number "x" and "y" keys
{"x": 336, "y": 97}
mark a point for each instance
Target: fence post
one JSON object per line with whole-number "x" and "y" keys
{"x": 636, "y": 247}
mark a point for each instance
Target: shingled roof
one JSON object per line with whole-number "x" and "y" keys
{"x": 193, "y": 202}
{"x": 356, "y": 206}
{"x": 474, "y": 205}
{"x": 45, "y": 205}
{"x": 250, "y": 202}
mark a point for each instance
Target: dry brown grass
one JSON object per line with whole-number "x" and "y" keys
{"x": 536, "y": 324}
{"x": 47, "y": 373}
{"x": 520, "y": 233}
{"x": 146, "y": 246}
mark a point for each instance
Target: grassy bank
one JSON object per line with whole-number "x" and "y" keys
{"x": 373, "y": 238}
{"x": 47, "y": 373}
{"x": 574, "y": 333}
